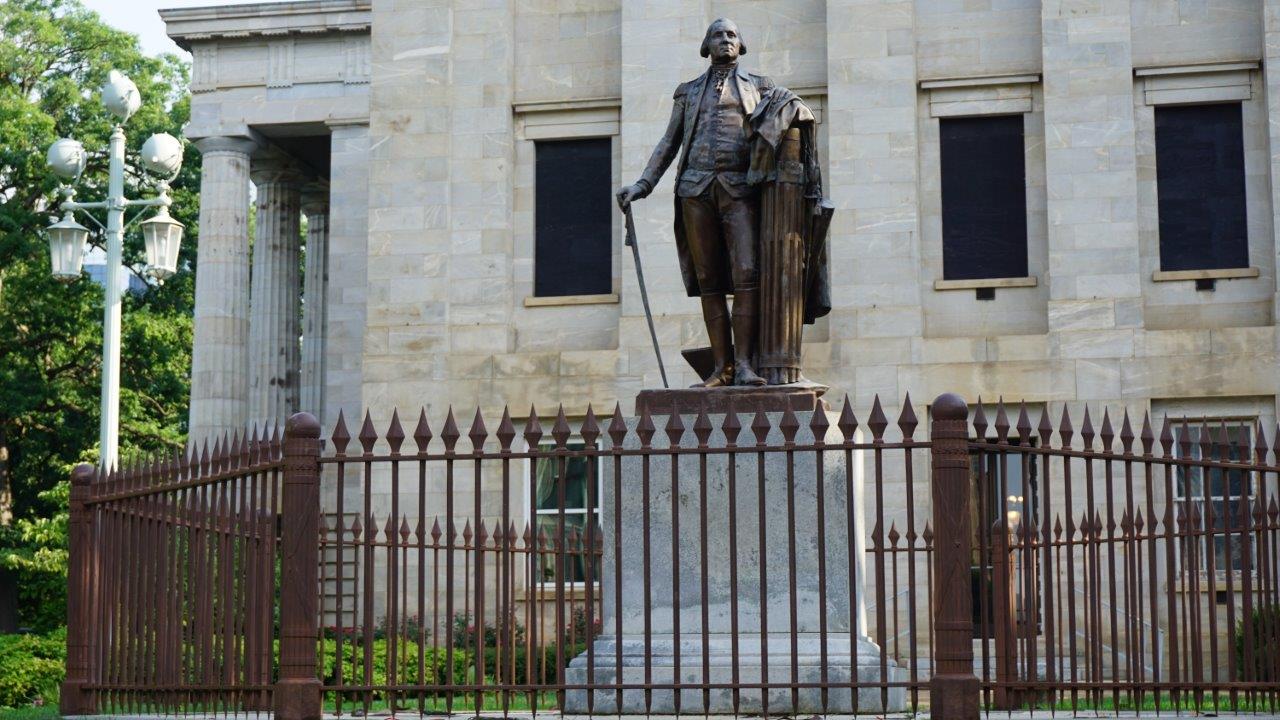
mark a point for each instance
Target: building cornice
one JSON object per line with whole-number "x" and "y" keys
{"x": 275, "y": 19}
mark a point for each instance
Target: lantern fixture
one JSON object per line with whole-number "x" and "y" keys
{"x": 66, "y": 247}
{"x": 162, "y": 236}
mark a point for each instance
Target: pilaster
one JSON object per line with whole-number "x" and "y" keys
{"x": 219, "y": 358}
{"x": 1095, "y": 287}
{"x": 873, "y": 138}
{"x": 1271, "y": 75}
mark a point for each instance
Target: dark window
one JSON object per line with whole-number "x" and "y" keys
{"x": 984, "y": 198}
{"x": 1200, "y": 179}
{"x": 574, "y": 222}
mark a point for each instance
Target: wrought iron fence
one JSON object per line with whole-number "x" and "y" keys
{"x": 744, "y": 562}
{"x": 1136, "y": 569}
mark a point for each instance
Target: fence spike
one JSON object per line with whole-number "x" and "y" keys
{"x": 389, "y": 532}
{"x": 731, "y": 426}
{"x": 532, "y": 429}
{"x": 877, "y": 420}
{"x": 482, "y": 535}
{"x": 675, "y": 428}
{"x": 979, "y": 421}
{"x": 1166, "y": 436}
{"x": 907, "y": 420}
{"x": 1106, "y": 433}
{"x": 927, "y": 535}
{"x": 819, "y": 424}
{"x": 877, "y": 535}
{"x": 528, "y": 536}
{"x": 395, "y": 433}
{"x": 1024, "y": 424}
{"x": 1126, "y": 433}
{"x": 356, "y": 528}
{"x": 617, "y": 426}
{"x": 702, "y": 427}
{"x": 1206, "y": 440}
{"x": 404, "y": 530}
{"x": 1275, "y": 443}
{"x": 499, "y": 536}
{"x": 1138, "y": 524}
{"x": 340, "y": 435}
{"x": 1002, "y": 422}
{"x": 422, "y": 433}
{"x": 450, "y": 434}
{"x": 1147, "y": 436}
{"x": 276, "y": 439}
{"x": 236, "y": 450}
{"x": 1273, "y": 511}
{"x": 560, "y": 430}
{"x": 204, "y": 459}
{"x": 478, "y": 433}
{"x": 590, "y": 430}
{"x": 760, "y": 427}
{"x": 645, "y": 429}
{"x": 368, "y": 435}
{"x": 420, "y": 530}
{"x": 1086, "y": 429}
{"x": 1057, "y": 527}
{"x": 894, "y": 537}
{"x": 435, "y": 532}
{"x": 506, "y": 430}
{"x": 1065, "y": 431}
{"x": 1045, "y": 426}
{"x": 789, "y": 425}
{"x": 1086, "y": 526}
{"x": 1260, "y": 443}
{"x": 1184, "y": 437}
{"x": 847, "y": 422}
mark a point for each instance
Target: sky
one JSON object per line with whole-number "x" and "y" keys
{"x": 140, "y": 17}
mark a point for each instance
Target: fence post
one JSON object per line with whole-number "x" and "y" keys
{"x": 953, "y": 691}
{"x": 297, "y": 691}
{"x": 73, "y": 698}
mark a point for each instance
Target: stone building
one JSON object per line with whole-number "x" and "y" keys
{"x": 1062, "y": 201}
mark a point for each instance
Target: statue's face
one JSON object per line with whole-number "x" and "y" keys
{"x": 723, "y": 41}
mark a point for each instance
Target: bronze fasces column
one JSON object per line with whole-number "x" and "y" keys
{"x": 783, "y": 223}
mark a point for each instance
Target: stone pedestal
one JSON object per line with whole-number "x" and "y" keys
{"x": 742, "y": 571}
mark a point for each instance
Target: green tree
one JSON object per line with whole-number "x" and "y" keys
{"x": 54, "y": 55}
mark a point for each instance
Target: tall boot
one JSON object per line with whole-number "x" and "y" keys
{"x": 745, "y": 320}
{"x": 715, "y": 313}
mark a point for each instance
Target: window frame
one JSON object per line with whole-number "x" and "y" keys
{"x": 1249, "y": 424}
{"x": 532, "y": 512}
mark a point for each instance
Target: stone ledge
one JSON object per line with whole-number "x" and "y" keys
{"x": 740, "y": 399}
{"x": 1013, "y": 282}
{"x": 1220, "y": 274}
{"x": 604, "y": 299}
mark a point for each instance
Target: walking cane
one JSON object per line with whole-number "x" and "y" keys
{"x": 644, "y": 294}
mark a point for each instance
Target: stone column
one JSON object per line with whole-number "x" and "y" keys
{"x": 275, "y": 305}
{"x": 347, "y": 290}
{"x": 219, "y": 359}
{"x": 315, "y": 278}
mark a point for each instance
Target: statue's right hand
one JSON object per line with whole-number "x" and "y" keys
{"x": 629, "y": 193}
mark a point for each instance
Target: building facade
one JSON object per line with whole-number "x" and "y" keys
{"x": 1067, "y": 202}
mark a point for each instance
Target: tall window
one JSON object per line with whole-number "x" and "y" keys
{"x": 573, "y": 206}
{"x": 581, "y": 503}
{"x": 1216, "y": 490}
{"x": 984, "y": 197}
{"x": 1200, "y": 184}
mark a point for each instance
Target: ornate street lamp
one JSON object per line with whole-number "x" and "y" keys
{"x": 162, "y": 235}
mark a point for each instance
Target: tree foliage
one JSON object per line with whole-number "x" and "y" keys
{"x": 54, "y": 57}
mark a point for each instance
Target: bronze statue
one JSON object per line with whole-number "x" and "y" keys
{"x": 739, "y": 133}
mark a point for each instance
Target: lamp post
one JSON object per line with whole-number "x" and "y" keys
{"x": 162, "y": 235}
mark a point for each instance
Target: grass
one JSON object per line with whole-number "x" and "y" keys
{"x": 44, "y": 712}
{"x": 491, "y": 701}
{"x": 1186, "y": 701}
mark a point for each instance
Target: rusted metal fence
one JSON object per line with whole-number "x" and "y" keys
{"x": 1131, "y": 568}
{"x": 746, "y": 562}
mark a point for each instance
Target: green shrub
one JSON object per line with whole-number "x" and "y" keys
{"x": 434, "y": 663}
{"x": 1266, "y": 638}
{"x": 31, "y": 668}
{"x": 544, "y": 670}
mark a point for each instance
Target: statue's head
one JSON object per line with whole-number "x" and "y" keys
{"x": 722, "y": 42}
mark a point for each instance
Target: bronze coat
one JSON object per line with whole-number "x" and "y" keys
{"x": 678, "y": 137}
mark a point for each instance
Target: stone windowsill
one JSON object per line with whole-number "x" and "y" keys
{"x": 1013, "y": 282}
{"x": 1221, "y": 274}
{"x": 546, "y": 592}
{"x": 605, "y": 299}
